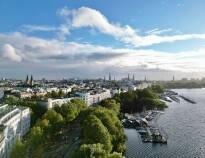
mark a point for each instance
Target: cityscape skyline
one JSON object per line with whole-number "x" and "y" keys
{"x": 87, "y": 39}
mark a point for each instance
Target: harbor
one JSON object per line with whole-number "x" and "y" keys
{"x": 145, "y": 124}
{"x": 170, "y": 96}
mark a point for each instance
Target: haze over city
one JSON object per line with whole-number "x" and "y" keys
{"x": 88, "y": 39}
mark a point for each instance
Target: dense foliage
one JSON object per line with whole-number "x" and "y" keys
{"x": 139, "y": 100}
{"x": 102, "y": 134}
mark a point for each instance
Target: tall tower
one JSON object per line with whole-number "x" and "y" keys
{"x": 133, "y": 77}
{"x": 109, "y": 76}
{"x": 31, "y": 81}
{"x": 173, "y": 79}
{"x": 104, "y": 78}
{"x": 27, "y": 80}
{"x": 128, "y": 76}
{"x": 145, "y": 78}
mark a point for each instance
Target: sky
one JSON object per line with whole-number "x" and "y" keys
{"x": 89, "y": 38}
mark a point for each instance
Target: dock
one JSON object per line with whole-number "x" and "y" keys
{"x": 188, "y": 99}
{"x": 147, "y": 127}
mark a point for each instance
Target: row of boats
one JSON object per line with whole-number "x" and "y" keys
{"x": 146, "y": 128}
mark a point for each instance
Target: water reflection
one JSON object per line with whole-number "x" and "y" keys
{"x": 185, "y": 125}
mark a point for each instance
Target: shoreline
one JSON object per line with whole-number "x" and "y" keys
{"x": 146, "y": 125}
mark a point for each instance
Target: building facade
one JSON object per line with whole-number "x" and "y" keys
{"x": 51, "y": 103}
{"x": 1, "y": 93}
{"x": 94, "y": 98}
{"x": 14, "y": 124}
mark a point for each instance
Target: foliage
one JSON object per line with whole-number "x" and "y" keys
{"x": 102, "y": 126}
{"x": 95, "y": 132}
{"x": 158, "y": 88}
{"x": 18, "y": 150}
{"x": 95, "y": 151}
{"x": 102, "y": 134}
{"x": 55, "y": 122}
{"x": 55, "y": 94}
{"x": 139, "y": 100}
{"x": 111, "y": 104}
{"x": 71, "y": 110}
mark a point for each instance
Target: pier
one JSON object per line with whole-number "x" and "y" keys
{"x": 170, "y": 96}
{"x": 188, "y": 99}
{"x": 147, "y": 127}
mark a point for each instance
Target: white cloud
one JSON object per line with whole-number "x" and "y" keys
{"x": 32, "y": 28}
{"x": 62, "y": 31}
{"x": 88, "y": 17}
{"x": 157, "y": 31}
{"x": 9, "y": 52}
{"x": 60, "y": 54}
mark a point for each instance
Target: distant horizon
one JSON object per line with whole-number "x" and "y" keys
{"x": 102, "y": 77}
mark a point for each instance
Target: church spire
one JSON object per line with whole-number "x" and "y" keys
{"x": 27, "y": 80}
{"x": 109, "y": 76}
{"x": 31, "y": 81}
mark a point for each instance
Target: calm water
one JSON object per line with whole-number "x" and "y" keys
{"x": 185, "y": 125}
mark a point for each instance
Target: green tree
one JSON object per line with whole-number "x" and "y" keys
{"x": 55, "y": 120}
{"x": 95, "y": 132}
{"x": 19, "y": 150}
{"x": 158, "y": 88}
{"x": 90, "y": 151}
{"x": 112, "y": 123}
{"x": 71, "y": 110}
{"x": 60, "y": 93}
{"x": 111, "y": 104}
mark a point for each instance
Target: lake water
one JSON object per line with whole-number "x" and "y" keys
{"x": 184, "y": 124}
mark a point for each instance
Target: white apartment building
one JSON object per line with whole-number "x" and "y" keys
{"x": 1, "y": 93}
{"x": 51, "y": 103}
{"x": 91, "y": 99}
{"x": 14, "y": 124}
{"x": 85, "y": 96}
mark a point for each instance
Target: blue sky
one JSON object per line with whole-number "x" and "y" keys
{"x": 89, "y": 38}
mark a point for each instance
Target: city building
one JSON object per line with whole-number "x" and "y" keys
{"x": 91, "y": 98}
{"x": 29, "y": 82}
{"x": 14, "y": 124}
{"x": 51, "y": 103}
{"x": 1, "y": 93}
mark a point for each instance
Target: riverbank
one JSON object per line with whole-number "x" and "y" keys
{"x": 184, "y": 124}
{"x": 145, "y": 125}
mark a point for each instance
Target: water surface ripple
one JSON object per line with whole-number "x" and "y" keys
{"x": 185, "y": 125}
